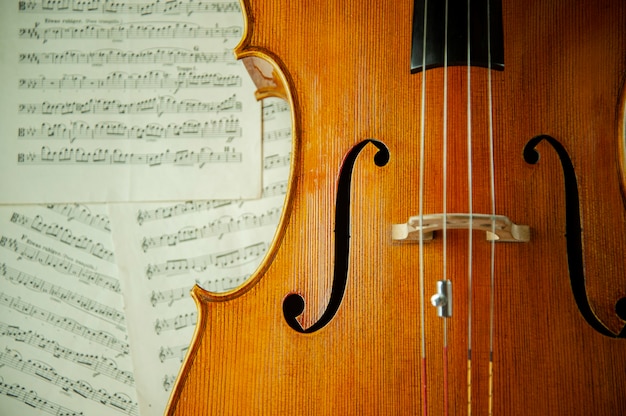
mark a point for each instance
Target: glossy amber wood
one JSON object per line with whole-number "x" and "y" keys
{"x": 344, "y": 67}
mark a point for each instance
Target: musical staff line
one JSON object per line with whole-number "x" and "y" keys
{"x": 82, "y": 214}
{"x": 153, "y": 30}
{"x": 191, "y": 207}
{"x": 97, "y": 364}
{"x": 272, "y": 109}
{"x": 122, "y": 76}
{"x": 176, "y": 323}
{"x": 215, "y": 228}
{"x": 81, "y": 157}
{"x": 182, "y": 293}
{"x": 275, "y": 135}
{"x": 43, "y": 371}
{"x": 276, "y": 161}
{"x": 90, "y": 306}
{"x": 226, "y": 259}
{"x": 64, "y": 235}
{"x": 168, "y": 353}
{"x": 275, "y": 189}
{"x": 68, "y": 324}
{"x": 120, "y": 80}
{"x": 225, "y": 283}
{"x": 32, "y": 399}
{"x": 169, "y": 296}
{"x": 225, "y": 127}
{"x": 65, "y": 266}
{"x": 108, "y": 7}
{"x": 157, "y": 55}
{"x": 184, "y": 208}
{"x": 158, "y": 105}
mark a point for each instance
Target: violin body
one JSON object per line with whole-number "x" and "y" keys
{"x": 344, "y": 68}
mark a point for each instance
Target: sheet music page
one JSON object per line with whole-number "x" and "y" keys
{"x": 64, "y": 348}
{"x": 125, "y": 101}
{"x": 167, "y": 248}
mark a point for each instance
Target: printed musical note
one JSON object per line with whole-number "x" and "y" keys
{"x": 192, "y": 207}
{"x": 178, "y": 322}
{"x": 280, "y": 134}
{"x": 32, "y": 399}
{"x": 158, "y": 105}
{"x": 82, "y": 214}
{"x": 224, "y": 241}
{"x": 230, "y": 258}
{"x": 69, "y": 297}
{"x": 153, "y": 30}
{"x": 276, "y": 161}
{"x": 79, "y": 59}
{"x": 62, "y": 305}
{"x": 102, "y": 156}
{"x": 213, "y": 229}
{"x": 167, "y": 353}
{"x": 188, "y": 207}
{"x": 119, "y": 80}
{"x": 158, "y": 55}
{"x": 139, "y": 72}
{"x": 271, "y": 110}
{"x": 68, "y": 324}
{"x": 115, "y": 130}
{"x": 170, "y": 296}
{"x": 224, "y": 284}
{"x": 95, "y": 363}
{"x": 107, "y": 7}
{"x": 30, "y": 251}
{"x": 275, "y": 189}
{"x": 64, "y": 235}
{"x": 36, "y": 368}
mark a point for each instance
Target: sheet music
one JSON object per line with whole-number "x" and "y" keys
{"x": 170, "y": 247}
{"x": 64, "y": 348}
{"x": 116, "y": 101}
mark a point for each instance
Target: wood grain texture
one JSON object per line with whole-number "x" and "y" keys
{"x": 344, "y": 67}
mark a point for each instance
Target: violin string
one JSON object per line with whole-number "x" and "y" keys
{"x": 471, "y": 214}
{"x": 445, "y": 149}
{"x": 445, "y": 205}
{"x": 493, "y": 212}
{"x": 421, "y": 219}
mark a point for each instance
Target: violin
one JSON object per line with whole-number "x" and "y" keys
{"x": 453, "y": 240}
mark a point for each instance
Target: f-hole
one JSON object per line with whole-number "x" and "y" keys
{"x": 293, "y": 304}
{"x": 573, "y": 234}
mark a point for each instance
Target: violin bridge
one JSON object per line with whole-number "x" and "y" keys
{"x": 497, "y": 227}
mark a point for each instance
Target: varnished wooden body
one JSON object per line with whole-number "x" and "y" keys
{"x": 344, "y": 67}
